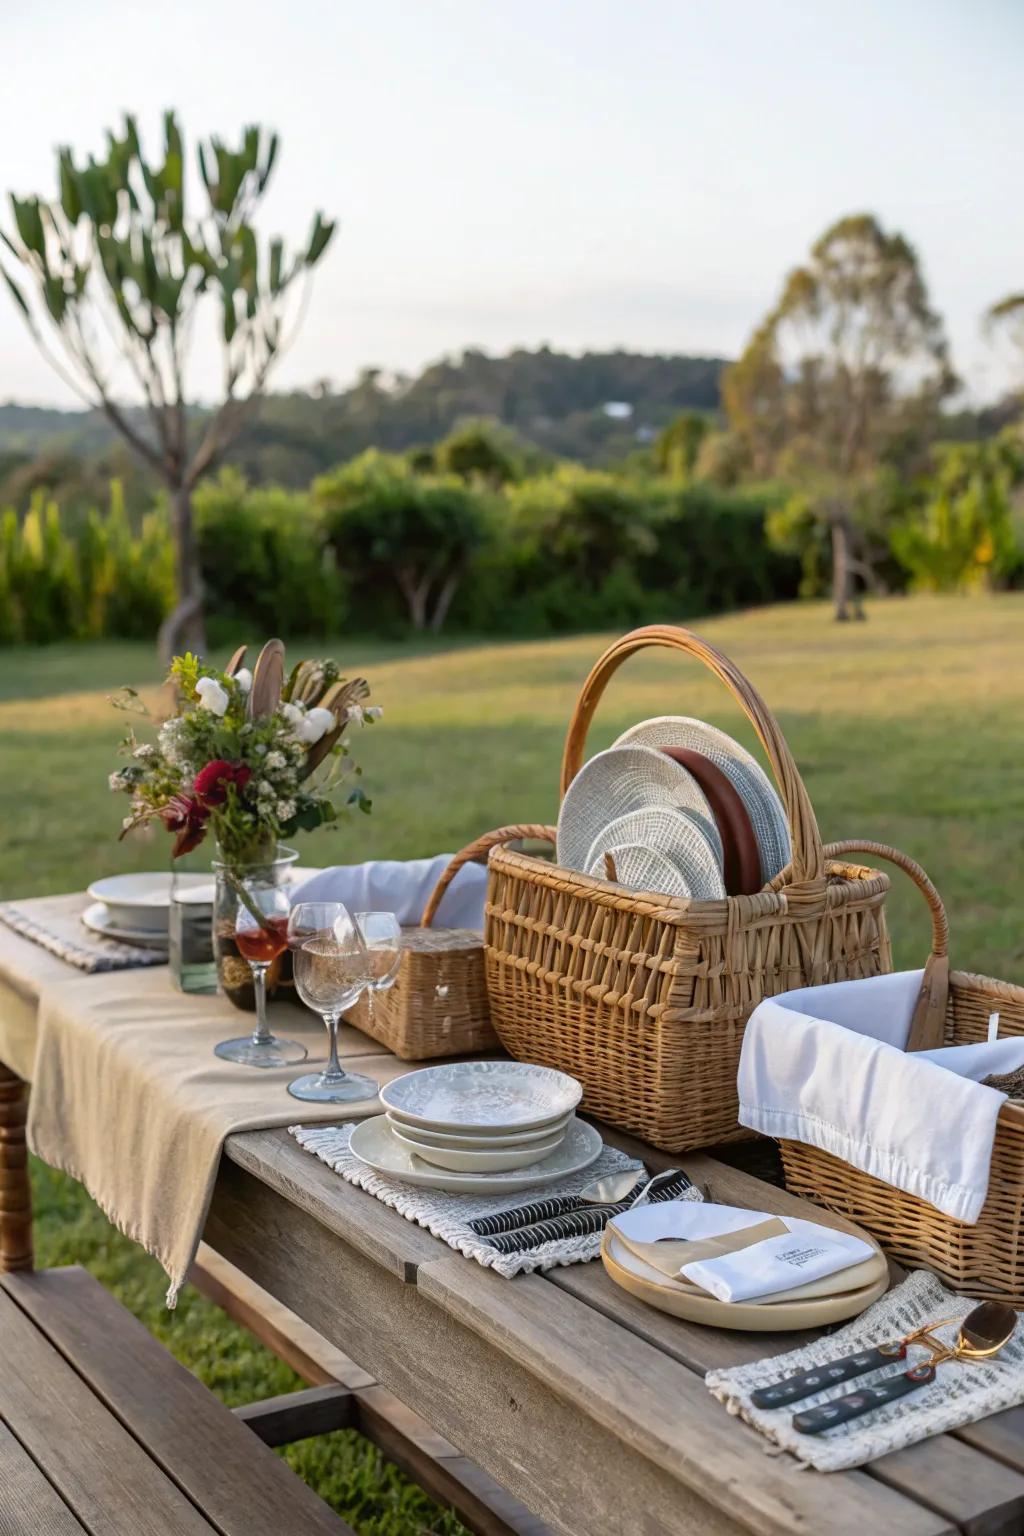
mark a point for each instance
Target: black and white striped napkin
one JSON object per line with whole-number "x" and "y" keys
{"x": 566, "y": 1216}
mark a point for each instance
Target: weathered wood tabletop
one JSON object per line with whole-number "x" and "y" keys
{"x": 583, "y": 1402}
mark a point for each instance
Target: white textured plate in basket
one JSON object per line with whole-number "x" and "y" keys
{"x": 468, "y": 1141}
{"x": 98, "y": 920}
{"x": 374, "y": 1144}
{"x": 482, "y": 1096}
{"x": 475, "y": 1159}
{"x": 660, "y": 845}
{"x": 748, "y": 778}
{"x": 624, "y": 779}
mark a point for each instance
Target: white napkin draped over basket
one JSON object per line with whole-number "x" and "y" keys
{"x": 403, "y": 887}
{"x": 827, "y": 1066}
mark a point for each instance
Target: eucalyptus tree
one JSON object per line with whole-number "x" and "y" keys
{"x": 1005, "y": 320}
{"x": 112, "y": 276}
{"x": 846, "y": 373}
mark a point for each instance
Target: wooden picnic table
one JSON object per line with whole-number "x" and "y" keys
{"x": 587, "y": 1405}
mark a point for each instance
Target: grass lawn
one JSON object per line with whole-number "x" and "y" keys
{"x": 908, "y": 729}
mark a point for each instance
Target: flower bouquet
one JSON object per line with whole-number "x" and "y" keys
{"x": 253, "y": 758}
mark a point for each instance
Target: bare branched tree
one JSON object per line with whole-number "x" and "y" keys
{"x": 111, "y": 277}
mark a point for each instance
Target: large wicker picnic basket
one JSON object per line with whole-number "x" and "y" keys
{"x": 984, "y": 1260}
{"x": 644, "y": 997}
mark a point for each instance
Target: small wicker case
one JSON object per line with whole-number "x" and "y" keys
{"x": 438, "y": 1004}
{"x": 984, "y": 1260}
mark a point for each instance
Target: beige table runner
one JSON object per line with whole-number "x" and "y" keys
{"x": 128, "y": 1098}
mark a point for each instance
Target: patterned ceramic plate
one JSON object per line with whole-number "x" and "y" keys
{"x": 463, "y": 1141}
{"x": 744, "y": 772}
{"x": 623, "y": 779}
{"x": 374, "y": 1144}
{"x": 475, "y": 1159}
{"x": 495, "y": 1096}
{"x": 660, "y": 849}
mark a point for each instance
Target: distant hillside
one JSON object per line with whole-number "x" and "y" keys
{"x": 594, "y": 408}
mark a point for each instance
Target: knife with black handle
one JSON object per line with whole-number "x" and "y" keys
{"x": 813, "y": 1421}
{"x": 805, "y": 1383}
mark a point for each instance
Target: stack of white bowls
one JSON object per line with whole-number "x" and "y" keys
{"x": 482, "y": 1117}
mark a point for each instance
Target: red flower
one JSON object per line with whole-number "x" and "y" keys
{"x": 188, "y": 818}
{"x": 211, "y": 783}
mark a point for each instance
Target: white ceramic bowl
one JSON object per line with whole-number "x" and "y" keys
{"x": 473, "y": 1160}
{"x": 461, "y": 1141}
{"x": 140, "y": 903}
{"x": 488, "y": 1096}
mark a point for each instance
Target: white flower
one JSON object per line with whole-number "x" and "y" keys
{"x": 243, "y": 677}
{"x": 265, "y": 790}
{"x": 115, "y": 781}
{"x": 316, "y": 724}
{"x": 356, "y": 712}
{"x": 212, "y": 696}
{"x": 276, "y": 761}
{"x": 294, "y": 714}
{"x": 373, "y": 713}
{"x": 285, "y": 810}
{"x": 144, "y": 752}
{"x": 127, "y": 822}
{"x": 259, "y": 749}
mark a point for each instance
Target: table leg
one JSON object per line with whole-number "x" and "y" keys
{"x": 15, "y": 1194}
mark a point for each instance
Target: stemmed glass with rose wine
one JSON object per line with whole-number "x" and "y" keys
{"x": 261, "y": 934}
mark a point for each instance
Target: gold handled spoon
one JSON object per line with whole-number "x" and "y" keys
{"x": 983, "y": 1333}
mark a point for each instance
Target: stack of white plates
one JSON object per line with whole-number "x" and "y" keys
{"x": 135, "y": 909}
{"x": 488, "y": 1126}
{"x": 637, "y": 815}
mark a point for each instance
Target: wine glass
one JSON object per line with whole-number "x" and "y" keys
{"x": 332, "y": 968}
{"x": 261, "y": 934}
{"x": 382, "y": 934}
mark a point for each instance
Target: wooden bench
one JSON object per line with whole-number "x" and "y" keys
{"x": 102, "y": 1431}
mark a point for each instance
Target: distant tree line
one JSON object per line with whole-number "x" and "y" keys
{"x": 471, "y": 536}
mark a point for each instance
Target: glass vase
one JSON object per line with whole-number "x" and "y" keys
{"x": 234, "y": 974}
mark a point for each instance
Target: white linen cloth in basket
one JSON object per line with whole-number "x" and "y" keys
{"x": 402, "y": 887}
{"x": 826, "y": 1066}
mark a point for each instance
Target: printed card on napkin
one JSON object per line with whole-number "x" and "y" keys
{"x": 805, "y": 1254}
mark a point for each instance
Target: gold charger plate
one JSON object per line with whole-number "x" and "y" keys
{"x": 627, "y": 1270}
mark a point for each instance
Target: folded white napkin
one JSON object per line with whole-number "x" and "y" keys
{"x": 826, "y": 1066}
{"x": 402, "y": 887}
{"x": 807, "y": 1252}
{"x": 684, "y": 1220}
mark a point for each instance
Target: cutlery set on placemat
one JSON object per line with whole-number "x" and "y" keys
{"x": 675, "y": 806}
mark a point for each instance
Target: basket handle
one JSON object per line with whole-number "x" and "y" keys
{"x": 928, "y": 1025}
{"x": 808, "y": 858}
{"x": 473, "y": 851}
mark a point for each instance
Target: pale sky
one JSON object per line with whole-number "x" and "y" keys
{"x": 590, "y": 173}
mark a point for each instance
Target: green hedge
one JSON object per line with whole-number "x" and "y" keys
{"x": 570, "y": 550}
{"x": 105, "y": 578}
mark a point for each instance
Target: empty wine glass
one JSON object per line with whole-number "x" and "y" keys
{"x": 261, "y": 934}
{"x": 382, "y": 935}
{"x": 332, "y": 969}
